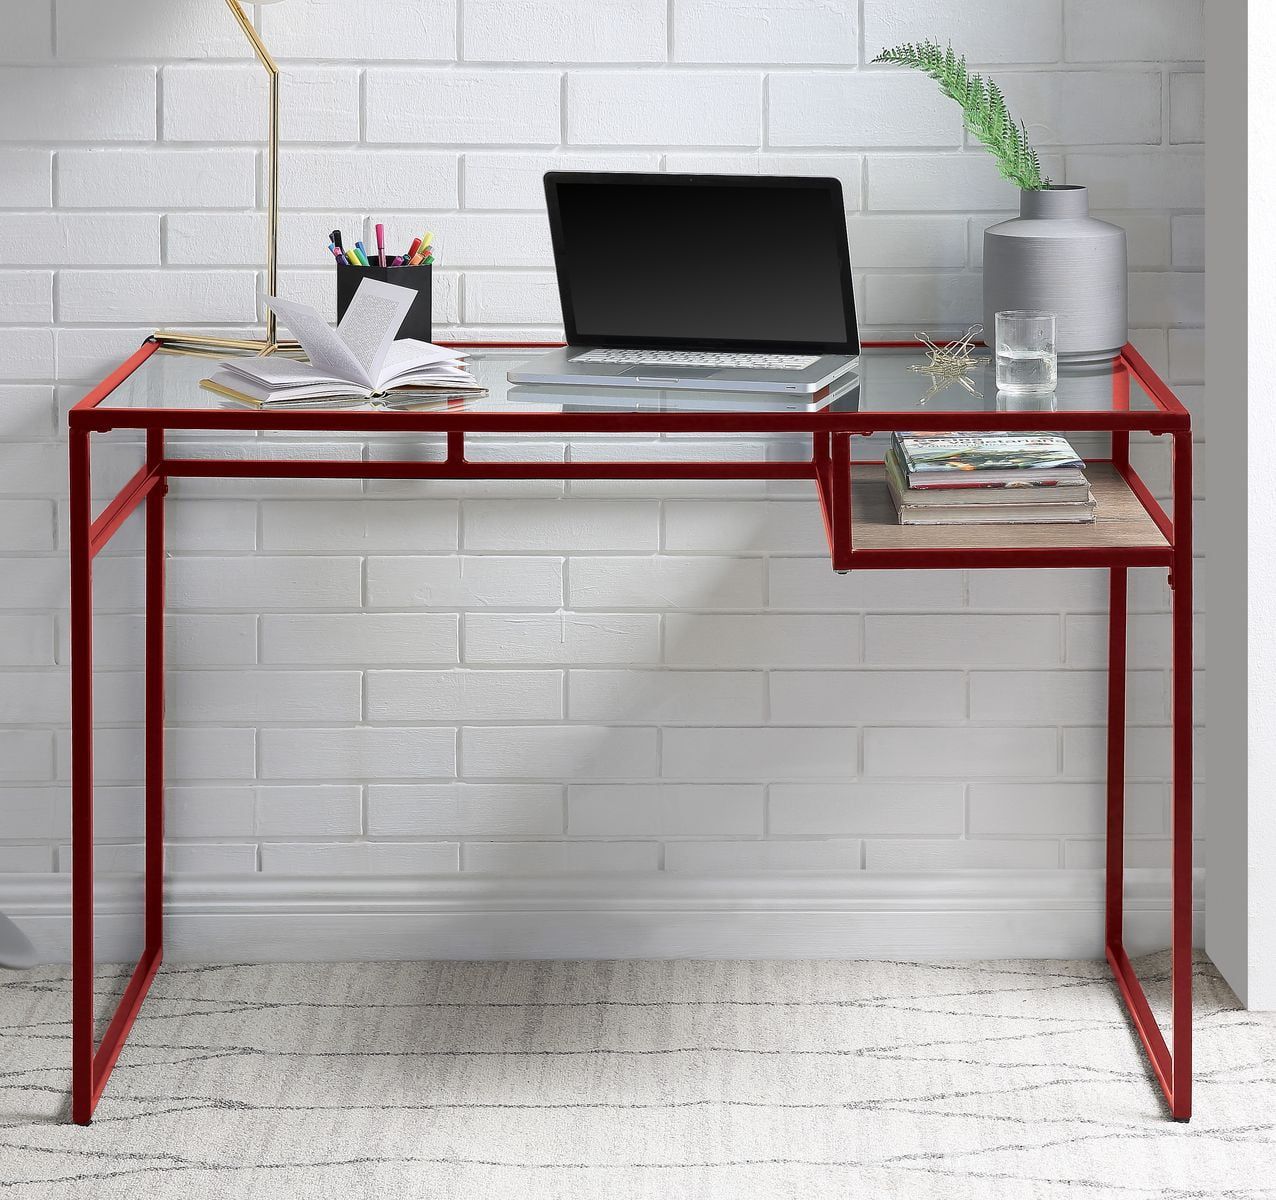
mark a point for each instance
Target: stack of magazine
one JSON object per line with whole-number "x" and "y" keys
{"x": 987, "y": 479}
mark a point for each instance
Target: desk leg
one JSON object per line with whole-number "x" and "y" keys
{"x": 81, "y": 514}
{"x": 1181, "y": 805}
{"x": 155, "y": 702}
{"x": 1117, "y": 620}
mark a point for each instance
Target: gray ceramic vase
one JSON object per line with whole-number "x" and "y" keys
{"x": 1055, "y": 257}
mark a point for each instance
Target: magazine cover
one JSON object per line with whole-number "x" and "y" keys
{"x": 984, "y": 452}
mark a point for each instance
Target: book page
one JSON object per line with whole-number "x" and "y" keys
{"x": 370, "y": 323}
{"x": 323, "y": 347}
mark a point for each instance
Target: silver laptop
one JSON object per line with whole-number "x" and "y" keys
{"x": 735, "y": 283}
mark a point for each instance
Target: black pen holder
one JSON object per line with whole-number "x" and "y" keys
{"x": 417, "y": 323}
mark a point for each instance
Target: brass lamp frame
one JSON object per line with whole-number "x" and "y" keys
{"x": 195, "y": 343}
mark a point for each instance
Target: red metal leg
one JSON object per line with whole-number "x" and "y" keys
{"x": 90, "y": 1070}
{"x": 155, "y": 700}
{"x": 81, "y": 515}
{"x": 840, "y": 499}
{"x": 1115, "y": 900}
{"x": 1181, "y": 804}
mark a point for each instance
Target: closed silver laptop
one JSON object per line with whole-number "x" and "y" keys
{"x": 736, "y": 283}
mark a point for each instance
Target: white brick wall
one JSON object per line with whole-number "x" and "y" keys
{"x": 539, "y": 677}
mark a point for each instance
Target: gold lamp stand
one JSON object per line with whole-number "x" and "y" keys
{"x": 196, "y": 343}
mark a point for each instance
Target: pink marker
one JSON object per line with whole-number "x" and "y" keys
{"x": 381, "y": 245}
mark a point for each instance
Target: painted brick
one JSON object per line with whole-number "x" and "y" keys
{"x": 309, "y": 811}
{"x": 190, "y": 640}
{"x": 292, "y": 696}
{"x": 1147, "y": 753}
{"x": 866, "y": 809}
{"x": 826, "y": 854}
{"x": 25, "y": 353}
{"x": 1148, "y": 640}
{"x": 560, "y": 858}
{"x": 699, "y": 697}
{"x": 860, "y": 109}
{"x": 465, "y": 582}
{"x": 28, "y": 413}
{"x": 465, "y": 695}
{"x": 26, "y": 641}
{"x": 1079, "y": 108}
{"x": 334, "y": 755}
{"x": 935, "y": 855}
{"x": 564, "y": 31}
{"x": 1063, "y": 697}
{"x": 1173, "y": 179}
{"x": 951, "y": 182}
{"x": 156, "y": 179}
{"x": 552, "y": 525}
{"x": 664, "y": 810}
{"x": 305, "y": 28}
{"x": 907, "y": 242}
{"x": 464, "y": 810}
{"x": 562, "y": 752}
{"x": 26, "y": 525}
{"x": 515, "y": 179}
{"x": 364, "y": 178}
{"x": 929, "y": 641}
{"x": 955, "y": 753}
{"x": 28, "y": 33}
{"x": 1187, "y": 355}
{"x": 810, "y": 585}
{"x": 1095, "y": 31}
{"x": 751, "y": 754}
{"x": 35, "y": 812}
{"x": 1052, "y": 809}
{"x": 28, "y": 178}
{"x": 264, "y": 582}
{"x": 752, "y": 527}
{"x": 89, "y": 30}
{"x": 1034, "y": 35}
{"x": 764, "y": 31}
{"x": 1040, "y": 591}
{"x": 1187, "y": 237}
{"x": 900, "y": 300}
{"x": 80, "y": 104}
{"x": 562, "y": 637}
{"x": 26, "y": 755}
{"x": 657, "y": 108}
{"x": 227, "y": 103}
{"x": 761, "y": 641}
{"x": 664, "y": 582}
{"x": 210, "y": 859}
{"x": 372, "y": 639}
{"x": 359, "y": 858}
{"x": 176, "y": 296}
{"x": 1187, "y": 107}
{"x": 848, "y": 169}
{"x": 849, "y": 698}
{"x": 501, "y": 297}
{"x": 462, "y": 106}
{"x": 26, "y": 297}
{"x": 1167, "y": 297}
{"x": 208, "y": 812}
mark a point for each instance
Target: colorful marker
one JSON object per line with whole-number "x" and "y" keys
{"x": 337, "y": 253}
{"x": 362, "y": 253}
{"x": 380, "y": 245}
{"x": 352, "y": 258}
{"x": 336, "y": 239}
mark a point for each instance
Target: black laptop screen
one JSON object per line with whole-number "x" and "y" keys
{"x": 702, "y": 261}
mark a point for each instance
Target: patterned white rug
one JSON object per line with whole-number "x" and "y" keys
{"x": 1001, "y": 1080}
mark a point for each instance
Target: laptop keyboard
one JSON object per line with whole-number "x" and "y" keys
{"x": 700, "y": 358}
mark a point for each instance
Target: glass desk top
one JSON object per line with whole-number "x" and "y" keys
{"x": 1124, "y": 388}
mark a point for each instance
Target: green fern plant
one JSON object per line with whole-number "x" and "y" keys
{"x": 982, "y": 104}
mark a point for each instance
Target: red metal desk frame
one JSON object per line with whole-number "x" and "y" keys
{"x": 829, "y": 468}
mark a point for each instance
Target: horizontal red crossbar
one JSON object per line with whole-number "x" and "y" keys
{"x": 919, "y": 558}
{"x": 117, "y": 1031}
{"x": 453, "y": 469}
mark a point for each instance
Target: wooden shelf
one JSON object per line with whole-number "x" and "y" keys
{"x": 1121, "y": 521}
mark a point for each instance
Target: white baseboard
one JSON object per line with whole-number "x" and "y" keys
{"x": 955, "y": 915}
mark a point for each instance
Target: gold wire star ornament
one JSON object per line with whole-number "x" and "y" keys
{"x": 946, "y": 365}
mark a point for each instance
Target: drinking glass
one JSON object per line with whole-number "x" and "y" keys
{"x": 1026, "y": 358}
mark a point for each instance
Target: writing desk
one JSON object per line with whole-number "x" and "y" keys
{"x": 157, "y": 392}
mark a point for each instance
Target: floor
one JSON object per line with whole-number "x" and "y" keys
{"x": 998, "y": 1080}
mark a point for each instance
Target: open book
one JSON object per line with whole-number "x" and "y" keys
{"x": 359, "y": 360}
